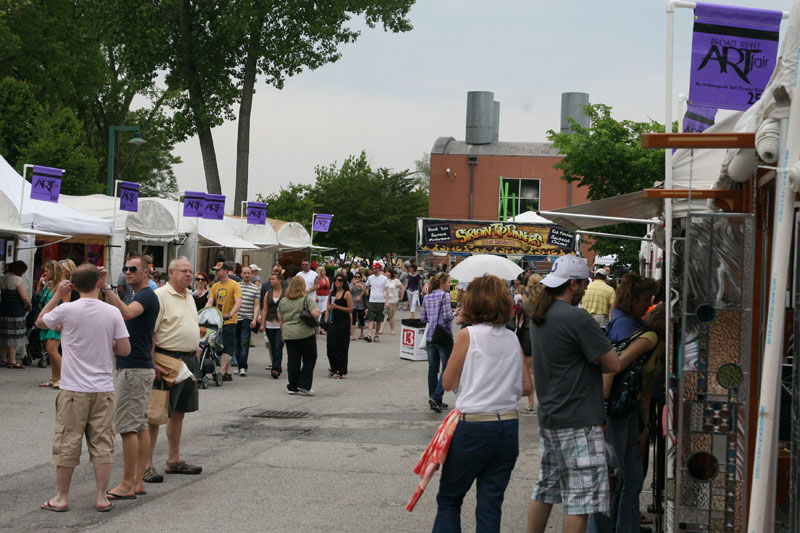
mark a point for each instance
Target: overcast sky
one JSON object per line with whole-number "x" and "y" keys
{"x": 394, "y": 94}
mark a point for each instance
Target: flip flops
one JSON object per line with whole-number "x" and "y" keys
{"x": 114, "y": 496}
{"x": 104, "y": 509}
{"x": 47, "y": 506}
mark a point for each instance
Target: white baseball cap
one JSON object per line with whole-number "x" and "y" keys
{"x": 254, "y": 267}
{"x": 565, "y": 268}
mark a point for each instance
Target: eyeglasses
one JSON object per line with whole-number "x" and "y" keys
{"x": 201, "y": 279}
{"x": 130, "y": 269}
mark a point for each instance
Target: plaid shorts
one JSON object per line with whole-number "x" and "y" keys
{"x": 573, "y": 470}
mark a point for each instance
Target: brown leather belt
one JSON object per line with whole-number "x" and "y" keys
{"x": 489, "y": 417}
{"x": 172, "y": 353}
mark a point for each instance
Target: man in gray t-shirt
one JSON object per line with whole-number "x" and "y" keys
{"x": 570, "y": 354}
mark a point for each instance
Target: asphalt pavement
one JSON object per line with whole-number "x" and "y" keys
{"x": 344, "y": 465}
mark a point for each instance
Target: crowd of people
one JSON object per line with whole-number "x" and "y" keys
{"x": 551, "y": 339}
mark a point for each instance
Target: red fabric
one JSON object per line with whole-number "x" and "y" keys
{"x": 434, "y": 455}
{"x": 324, "y": 285}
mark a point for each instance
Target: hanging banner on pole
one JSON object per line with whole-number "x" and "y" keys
{"x": 322, "y": 223}
{"x": 194, "y": 203}
{"x": 129, "y": 196}
{"x": 215, "y": 207}
{"x": 46, "y": 183}
{"x": 698, "y": 118}
{"x": 256, "y": 213}
{"x": 733, "y": 55}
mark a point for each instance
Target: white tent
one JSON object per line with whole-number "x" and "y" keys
{"x": 530, "y": 217}
{"x": 39, "y": 215}
{"x": 291, "y": 235}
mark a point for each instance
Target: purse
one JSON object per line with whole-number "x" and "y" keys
{"x": 441, "y": 335}
{"x": 158, "y": 405}
{"x": 325, "y": 324}
{"x": 306, "y": 316}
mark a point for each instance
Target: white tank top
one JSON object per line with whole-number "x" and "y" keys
{"x": 491, "y": 380}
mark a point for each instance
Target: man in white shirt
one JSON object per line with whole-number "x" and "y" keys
{"x": 310, "y": 277}
{"x": 376, "y": 285}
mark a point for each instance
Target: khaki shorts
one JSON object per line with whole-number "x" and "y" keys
{"x": 79, "y": 414}
{"x": 391, "y": 310}
{"x": 132, "y": 386}
{"x": 375, "y": 311}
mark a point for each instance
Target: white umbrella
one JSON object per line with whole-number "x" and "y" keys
{"x": 477, "y": 265}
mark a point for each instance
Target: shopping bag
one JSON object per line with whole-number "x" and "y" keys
{"x": 158, "y": 406}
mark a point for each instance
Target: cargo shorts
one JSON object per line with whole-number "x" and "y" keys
{"x": 132, "y": 387}
{"x": 79, "y": 414}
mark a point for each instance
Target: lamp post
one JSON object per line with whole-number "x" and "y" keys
{"x": 112, "y": 137}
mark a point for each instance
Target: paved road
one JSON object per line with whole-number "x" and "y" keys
{"x": 345, "y": 467}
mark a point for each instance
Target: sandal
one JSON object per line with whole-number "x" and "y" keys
{"x": 56, "y": 385}
{"x": 367, "y": 339}
{"x": 377, "y": 338}
{"x": 2, "y": 364}
{"x": 182, "y": 467}
{"x": 268, "y": 367}
{"x": 15, "y": 365}
{"x": 48, "y": 383}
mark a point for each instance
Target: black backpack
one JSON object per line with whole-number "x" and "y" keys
{"x": 627, "y": 386}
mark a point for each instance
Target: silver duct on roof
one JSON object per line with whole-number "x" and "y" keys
{"x": 480, "y": 117}
{"x": 572, "y": 106}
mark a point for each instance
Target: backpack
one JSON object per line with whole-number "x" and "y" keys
{"x": 627, "y": 385}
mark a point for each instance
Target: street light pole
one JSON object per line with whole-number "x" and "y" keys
{"x": 112, "y": 137}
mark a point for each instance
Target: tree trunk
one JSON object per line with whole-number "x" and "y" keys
{"x": 243, "y": 134}
{"x": 196, "y": 94}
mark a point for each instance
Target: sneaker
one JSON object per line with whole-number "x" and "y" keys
{"x": 434, "y": 406}
{"x": 443, "y": 405}
{"x": 305, "y": 392}
{"x": 290, "y": 391}
{"x": 151, "y": 476}
{"x": 242, "y": 372}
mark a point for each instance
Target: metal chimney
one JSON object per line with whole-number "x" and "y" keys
{"x": 495, "y": 121}
{"x": 480, "y": 111}
{"x": 572, "y": 106}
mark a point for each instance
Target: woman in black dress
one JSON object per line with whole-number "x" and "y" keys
{"x": 340, "y": 305}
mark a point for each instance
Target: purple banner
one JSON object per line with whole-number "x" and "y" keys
{"x": 256, "y": 213}
{"x": 698, "y": 118}
{"x": 129, "y": 196}
{"x": 194, "y": 203}
{"x": 46, "y": 183}
{"x": 322, "y": 223}
{"x": 215, "y": 207}
{"x": 733, "y": 55}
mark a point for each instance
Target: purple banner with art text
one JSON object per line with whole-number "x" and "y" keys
{"x": 698, "y": 118}
{"x": 194, "y": 203}
{"x": 46, "y": 183}
{"x": 256, "y": 213}
{"x": 129, "y": 196}
{"x": 215, "y": 207}
{"x": 733, "y": 55}
{"x": 322, "y": 223}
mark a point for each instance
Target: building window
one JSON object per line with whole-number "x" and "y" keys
{"x": 523, "y": 195}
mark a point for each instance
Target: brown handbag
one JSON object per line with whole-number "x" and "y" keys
{"x": 158, "y": 405}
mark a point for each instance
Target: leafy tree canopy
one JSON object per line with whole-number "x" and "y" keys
{"x": 608, "y": 159}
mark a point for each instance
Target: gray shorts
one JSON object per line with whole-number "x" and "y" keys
{"x": 375, "y": 311}
{"x": 132, "y": 389}
{"x": 573, "y": 470}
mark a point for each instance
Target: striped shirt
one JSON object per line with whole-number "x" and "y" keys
{"x": 436, "y": 310}
{"x": 598, "y": 298}
{"x": 250, "y": 294}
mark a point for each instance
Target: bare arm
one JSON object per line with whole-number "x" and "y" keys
{"x": 256, "y": 309}
{"x": 636, "y": 349}
{"x": 122, "y": 346}
{"x": 527, "y": 379}
{"x": 264, "y": 308}
{"x": 455, "y": 364}
{"x": 24, "y": 296}
{"x": 63, "y": 288}
{"x": 237, "y": 304}
{"x": 609, "y": 362}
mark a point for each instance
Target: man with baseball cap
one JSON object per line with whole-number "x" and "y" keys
{"x": 376, "y": 286}
{"x": 599, "y": 297}
{"x": 570, "y": 354}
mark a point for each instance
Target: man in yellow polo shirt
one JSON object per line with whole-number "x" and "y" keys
{"x": 598, "y": 300}
{"x": 175, "y": 341}
{"x": 226, "y": 295}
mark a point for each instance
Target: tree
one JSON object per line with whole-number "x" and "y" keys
{"x": 422, "y": 171}
{"x": 284, "y": 38}
{"x": 294, "y": 203}
{"x": 608, "y": 159}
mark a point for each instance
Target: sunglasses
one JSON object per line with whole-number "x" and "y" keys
{"x": 201, "y": 279}
{"x": 340, "y": 279}
{"x": 130, "y": 269}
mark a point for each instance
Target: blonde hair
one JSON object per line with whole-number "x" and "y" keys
{"x": 297, "y": 288}
{"x": 437, "y": 280}
{"x": 321, "y": 272}
{"x": 69, "y": 264}
{"x": 58, "y": 273}
{"x": 533, "y": 281}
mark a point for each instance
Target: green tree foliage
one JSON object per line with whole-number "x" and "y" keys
{"x": 422, "y": 171}
{"x": 608, "y": 159}
{"x": 375, "y": 211}
{"x": 18, "y": 109}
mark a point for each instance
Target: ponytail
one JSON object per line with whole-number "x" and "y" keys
{"x": 542, "y": 300}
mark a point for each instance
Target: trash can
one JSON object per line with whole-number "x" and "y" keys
{"x": 412, "y": 340}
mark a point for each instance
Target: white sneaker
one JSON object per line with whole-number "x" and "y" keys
{"x": 305, "y": 392}
{"x": 242, "y": 372}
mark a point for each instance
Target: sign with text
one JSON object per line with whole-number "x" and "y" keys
{"x": 215, "y": 207}
{"x": 46, "y": 183}
{"x": 193, "y": 203}
{"x": 698, "y": 118}
{"x": 129, "y": 196}
{"x": 493, "y": 237}
{"x": 733, "y": 55}
{"x": 322, "y": 223}
{"x": 256, "y": 213}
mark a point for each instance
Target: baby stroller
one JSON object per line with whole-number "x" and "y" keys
{"x": 210, "y": 347}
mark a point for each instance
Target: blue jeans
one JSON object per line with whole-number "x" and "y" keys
{"x": 276, "y": 347}
{"x": 242, "y": 342}
{"x": 437, "y": 354}
{"x": 486, "y": 451}
{"x": 620, "y": 432}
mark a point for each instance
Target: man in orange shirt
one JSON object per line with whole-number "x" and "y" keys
{"x": 226, "y": 295}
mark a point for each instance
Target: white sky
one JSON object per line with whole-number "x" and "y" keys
{"x": 394, "y": 94}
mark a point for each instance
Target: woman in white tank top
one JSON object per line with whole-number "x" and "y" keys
{"x": 486, "y": 369}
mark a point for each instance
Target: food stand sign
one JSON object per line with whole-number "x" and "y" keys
{"x": 492, "y": 237}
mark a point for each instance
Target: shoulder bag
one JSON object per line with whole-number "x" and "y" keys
{"x": 305, "y": 315}
{"x": 627, "y": 385}
{"x": 441, "y": 335}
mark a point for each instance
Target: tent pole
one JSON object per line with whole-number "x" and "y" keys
{"x": 22, "y": 194}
